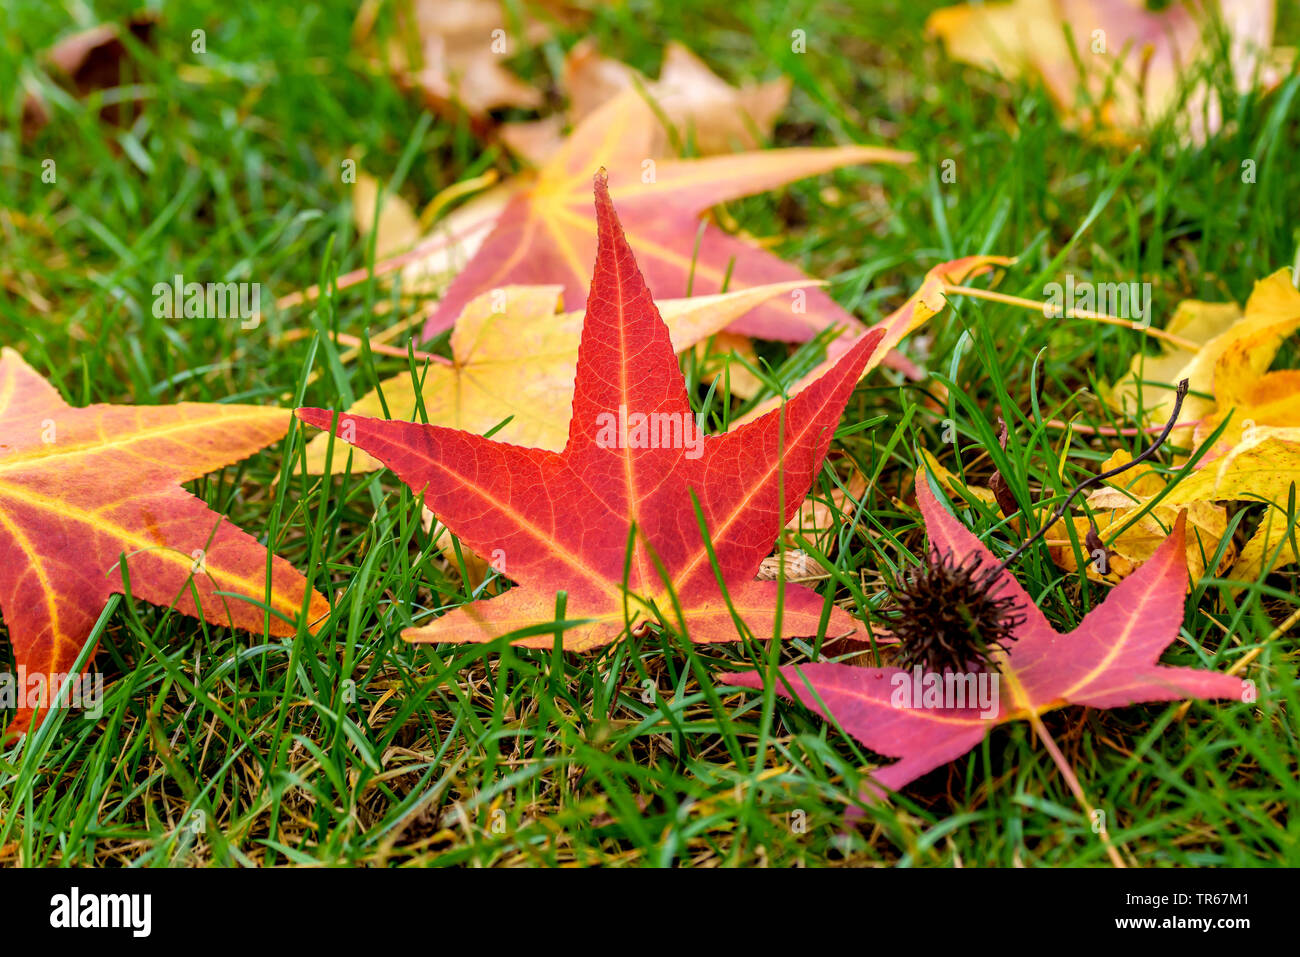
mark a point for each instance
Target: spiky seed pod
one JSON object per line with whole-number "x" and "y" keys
{"x": 946, "y": 620}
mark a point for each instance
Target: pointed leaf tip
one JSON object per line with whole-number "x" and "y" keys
{"x": 1180, "y": 528}
{"x": 610, "y": 240}
{"x": 604, "y": 205}
{"x": 320, "y": 418}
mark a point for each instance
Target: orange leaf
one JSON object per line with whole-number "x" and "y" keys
{"x": 80, "y": 488}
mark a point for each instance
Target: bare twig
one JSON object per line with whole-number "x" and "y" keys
{"x": 1087, "y": 483}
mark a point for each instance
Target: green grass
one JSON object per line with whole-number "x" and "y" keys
{"x": 492, "y": 755}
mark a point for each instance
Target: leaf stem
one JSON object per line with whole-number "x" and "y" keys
{"x": 1152, "y": 331}
{"x": 1072, "y": 781}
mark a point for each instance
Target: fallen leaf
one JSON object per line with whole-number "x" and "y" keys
{"x": 712, "y": 115}
{"x": 1247, "y": 339}
{"x": 1121, "y": 66}
{"x": 1272, "y": 547}
{"x": 454, "y": 51}
{"x": 1268, "y": 400}
{"x": 1110, "y": 660}
{"x": 424, "y": 266}
{"x": 927, "y": 302}
{"x": 612, "y": 509}
{"x": 513, "y": 358}
{"x": 1245, "y": 392}
{"x": 1261, "y": 468}
{"x": 794, "y": 564}
{"x": 79, "y": 488}
{"x": 1114, "y": 506}
{"x": 954, "y": 486}
{"x": 817, "y": 521}
{"x": 819, "y": 518}
{"x": 521, "y": 343}
{"x": 546, "y": 233}
{"x": 86, "y": 62}
{"x": 1002, "y": 493}
{"x": 717, "y": 356}
{"x": 395, "y": 224}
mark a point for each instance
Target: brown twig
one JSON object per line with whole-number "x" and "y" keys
{"x": 1087, "y": 483}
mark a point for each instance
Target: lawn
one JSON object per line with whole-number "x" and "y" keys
{"x": 350, "y": 746}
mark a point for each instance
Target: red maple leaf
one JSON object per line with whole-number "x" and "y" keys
{"x": 1110, "y": 660}
{"x": 618, "y": 503}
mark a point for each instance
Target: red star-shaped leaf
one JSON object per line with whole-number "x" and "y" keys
{"x": 562, "y": 521}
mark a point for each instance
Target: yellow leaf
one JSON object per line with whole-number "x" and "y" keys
{"x": 718, "y": 358}
{"x": 1261, "y": 468}
{"x": 1112, "y": 507}
{"x": 431, "y": 259}
{"x": 955, "y": 487}
{"x": 1272, "y": 544}
{"x": 514, "y": 358}
{"x": 396, "y": 227}
{"x": 1246, "y": 340}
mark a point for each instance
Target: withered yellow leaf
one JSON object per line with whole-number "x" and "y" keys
{"x": 1270, "y": 548}
{"x": 1261, "y": 468}
{"x": 1247, "y": 340}
{"x": 453, "y": 52}
{"x": 819, "y": 517}
{"x": 432, "y": 257}
{"x": 718, "y": 354}
{"x": 1247, "y": 394}
{"x": 1113, "y": 507}
{"x": 395, "y": 224}
{"x": 715, "y": 116}
{"x": 954, "y": 486}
